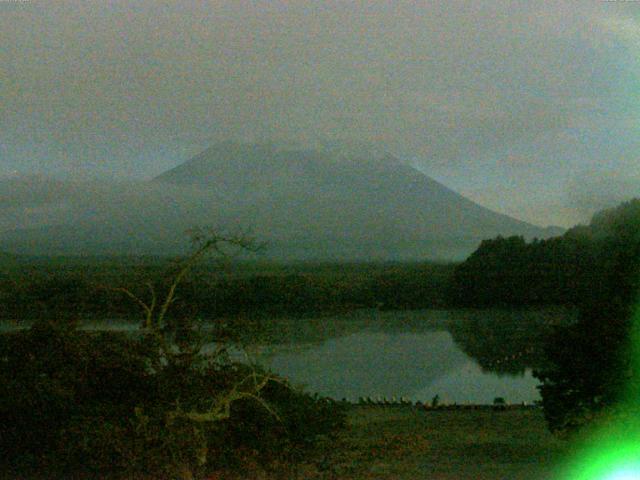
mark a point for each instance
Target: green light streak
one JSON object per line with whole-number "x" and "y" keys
{"x": 612, "y": 451}
{"x": 613, "y": 457}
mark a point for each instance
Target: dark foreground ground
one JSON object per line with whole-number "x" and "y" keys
{"x": 404, "y": 443}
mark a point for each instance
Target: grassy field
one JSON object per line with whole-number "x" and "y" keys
{"x": 403, "y": 443}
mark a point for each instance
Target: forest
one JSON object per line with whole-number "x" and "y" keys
{"x": 37, "y": 287}
{"x": 561, "y": 270}
{"x": 501, "y": 272}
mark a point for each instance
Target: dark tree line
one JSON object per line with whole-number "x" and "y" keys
{"x": 39, "y": 292}
{"x": 592, "y": 362}
{"x": 511, "y": 272}
{"x": 595, "y": 268}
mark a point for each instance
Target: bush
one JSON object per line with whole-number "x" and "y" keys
{"x": 73, "y": 399}
{"x": 53, "y": 375}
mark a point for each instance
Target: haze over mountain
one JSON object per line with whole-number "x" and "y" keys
{"x": 307, "y": 204}
{"x": 512, "y": 104}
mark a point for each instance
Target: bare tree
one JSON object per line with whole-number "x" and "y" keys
{"x": 162, "y": 332}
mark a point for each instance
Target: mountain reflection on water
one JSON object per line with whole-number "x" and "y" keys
{"x": 462, "y": 356}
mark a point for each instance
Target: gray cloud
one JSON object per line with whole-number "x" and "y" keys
{"x": 127, "y": 89}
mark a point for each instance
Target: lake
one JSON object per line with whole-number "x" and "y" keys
{"x": 463, "y": 356}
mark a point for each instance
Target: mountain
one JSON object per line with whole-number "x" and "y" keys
{"x": 340, "y": 205}
{"x": 307, "y": 204}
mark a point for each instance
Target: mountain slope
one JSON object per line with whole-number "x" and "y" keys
{"x": 319, "y": 205}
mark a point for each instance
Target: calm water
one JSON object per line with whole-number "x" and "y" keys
{"x": 412, "y": 354}
{"x": 413, "y": 365}
{"x": 462, "y": 356}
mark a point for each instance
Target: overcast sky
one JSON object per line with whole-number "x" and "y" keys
{"x": 531, "y": 108}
